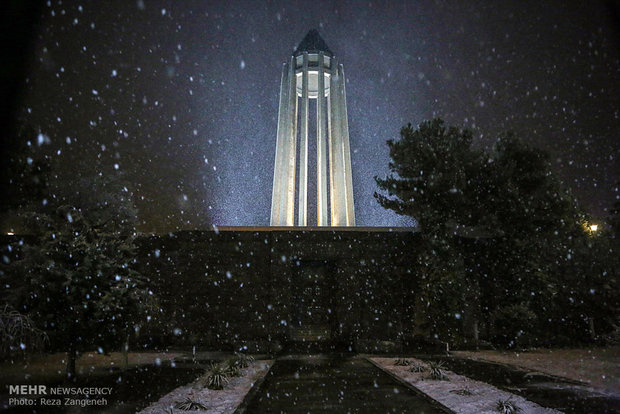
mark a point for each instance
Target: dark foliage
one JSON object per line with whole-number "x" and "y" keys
{"x": 505, "y": 246}
{"x": 81, "y": 287}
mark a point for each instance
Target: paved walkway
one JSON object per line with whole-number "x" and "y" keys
{"x": 313, "y": 385}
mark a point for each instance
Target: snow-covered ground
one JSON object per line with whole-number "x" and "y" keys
{"x": 460, "y": 394}
{"x": 597, "y": 367}
{"x": 217, "y": 401}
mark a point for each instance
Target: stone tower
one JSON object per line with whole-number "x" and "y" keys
{"x": 312, "y": 73}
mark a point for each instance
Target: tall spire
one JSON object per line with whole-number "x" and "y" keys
{"x": 312, "y": 43}
{"x": 312, "y": 73}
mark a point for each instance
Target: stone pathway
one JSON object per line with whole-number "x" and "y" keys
{"x": 217, "y": 401}
{"x": 461, "y": 394}
{"x": 326, "y": 385}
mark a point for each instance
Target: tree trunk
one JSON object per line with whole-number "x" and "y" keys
{"x": 126, "y": 353}
{"x": 592, "y": 331}
{"x": 71, "y": 358}
{"x": 476, "y": 333}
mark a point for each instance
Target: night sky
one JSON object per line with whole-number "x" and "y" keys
{"x": 181, "y": 96}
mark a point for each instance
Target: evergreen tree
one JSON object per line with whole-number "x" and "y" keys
{"x": 81, "y": 284}
{"x": 435, "y": 177}
{"x": 533, "y": 219}
{"x": 434, "y": 173}
{"x": 525, "y": 223}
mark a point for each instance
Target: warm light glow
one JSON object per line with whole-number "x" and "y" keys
{"x": 593, "y": 227}
{"x": 10, "y": 233}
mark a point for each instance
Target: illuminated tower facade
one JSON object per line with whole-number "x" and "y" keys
{"x": 312, "y": 73}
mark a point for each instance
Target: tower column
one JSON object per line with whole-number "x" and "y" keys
{"x": 283, "y": 201}
{"x": 346, "y": 151}
{"x": 279, "y": 167}
{"x": 336, "y": 167}
{"x": 292, "y": 137}
{"x": 289, "y": 149}
{"x": 321, "y": 156}
{"x": 303, "y": 147}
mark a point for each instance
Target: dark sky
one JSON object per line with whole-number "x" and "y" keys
{"x": 182, "y": 96}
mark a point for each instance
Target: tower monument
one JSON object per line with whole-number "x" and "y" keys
{"x": 312, "y": 73}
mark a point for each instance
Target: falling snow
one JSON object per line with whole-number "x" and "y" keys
{"x": 456, "y": 63}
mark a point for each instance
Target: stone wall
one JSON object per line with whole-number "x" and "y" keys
{"x": 237, "y": 286}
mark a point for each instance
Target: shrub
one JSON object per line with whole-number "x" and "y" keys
{"x": 437, "y": 371}
{"x": 217, "y": 377}
{"x": 401, "y": 362}
{"x": 511, "y": 322}
{"x": 243, "y": 360}
{"x": 189, "y": 404}
{"x": 232, "y": 368}
{"x": 507, "y": 407}
{"x": 18, "y": 333}
{"x": 417, "y": 367}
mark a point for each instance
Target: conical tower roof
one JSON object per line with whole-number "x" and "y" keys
{"x": 312, "y": 43}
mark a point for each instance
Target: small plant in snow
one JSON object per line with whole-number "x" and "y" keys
{"x": 189, "y": 404}
{"x": 507, "y": 407}
{"x": 437, "y": 371}
{"x": 401, "y": 362}
{"x": 464, "y": 391}
{"x": 243, "y": 360}
{"x": 18, "y": 333}
{"x": 417, "y": 367}
{"x": 217, "y": 377}
{"x": 233, "y": 368}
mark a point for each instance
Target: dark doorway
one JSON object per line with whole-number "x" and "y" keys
{"x": 312, "y": 314}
